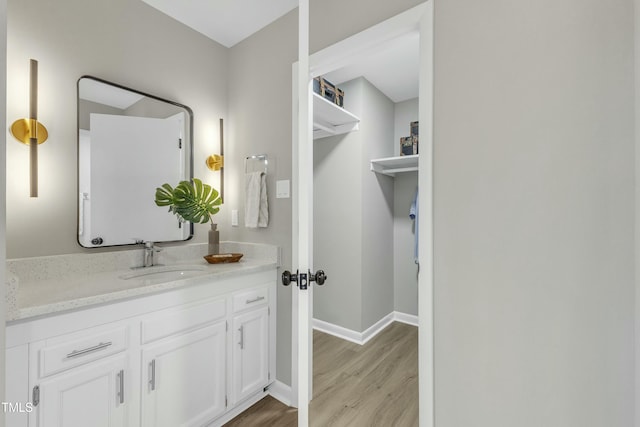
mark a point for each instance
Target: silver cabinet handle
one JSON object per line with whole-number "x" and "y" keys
{"x": 35, "y": 395}
{"x": 76, "y": 353}
{"x": 241, "y": 337}
{"x": 256, "y": 299}
{"x": 152, "y": 379}
{"x": 120, "y": 393}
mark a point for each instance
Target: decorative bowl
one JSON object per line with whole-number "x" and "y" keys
{"x": 223, "y": 258}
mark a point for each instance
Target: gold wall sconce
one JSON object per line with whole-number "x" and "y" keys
{"x": 215, "y": 162}
{"x": 30, "y": 131}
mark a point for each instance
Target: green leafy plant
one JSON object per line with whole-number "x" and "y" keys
{"x": 191, "y": 201}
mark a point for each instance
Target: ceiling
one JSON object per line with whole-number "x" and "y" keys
{"x": 393, "y": 70}
{"x": 225, "y": 21}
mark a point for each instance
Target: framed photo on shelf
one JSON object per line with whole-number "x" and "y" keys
{"x": 409, "y": 145}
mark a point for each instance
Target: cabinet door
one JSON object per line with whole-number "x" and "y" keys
{"x": 17, "y": 387}
{"x": 250, "y": 352}
{"x": 184, "y": 379}
{"x": 92, "y": 395}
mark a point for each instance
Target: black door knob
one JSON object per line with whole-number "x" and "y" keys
{"x": 319, "y": 277}
{"x": 287, "y": 278}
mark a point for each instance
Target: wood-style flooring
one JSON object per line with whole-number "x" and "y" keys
{"x": 375, "y": 384}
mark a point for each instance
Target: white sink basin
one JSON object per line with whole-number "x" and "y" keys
{"x": 161, "y": 274}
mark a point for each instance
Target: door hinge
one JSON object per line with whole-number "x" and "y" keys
{"x": 269, "y": 375}
{"x": 35, "y": 397}
{"x": 226, "y": 402}
{"x": 180, "y": 143}
{"x": 268, "y": 311}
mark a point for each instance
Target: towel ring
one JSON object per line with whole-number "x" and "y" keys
{"x": 257, "y": 163}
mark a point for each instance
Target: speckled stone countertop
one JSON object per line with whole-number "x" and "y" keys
{"x": 47, "y": 285}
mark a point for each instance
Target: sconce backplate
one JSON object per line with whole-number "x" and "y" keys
{"x": 215, "y": 162}
{"x": 21, "y": 130}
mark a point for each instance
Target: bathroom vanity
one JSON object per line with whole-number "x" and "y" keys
{"x": 187, "y": 344}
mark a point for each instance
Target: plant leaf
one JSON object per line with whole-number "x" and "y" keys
{"x": 192, "y": 200}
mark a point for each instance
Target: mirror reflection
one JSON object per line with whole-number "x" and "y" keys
{"x": 129, "y": 143}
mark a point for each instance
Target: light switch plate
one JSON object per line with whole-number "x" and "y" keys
{"x": 234, "y": 217}
{"x": 282, "y": 189}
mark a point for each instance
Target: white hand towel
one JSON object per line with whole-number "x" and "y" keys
{"x": 256, "y": 208}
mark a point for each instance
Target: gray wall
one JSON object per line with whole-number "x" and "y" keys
{"x": 259, "y": 106}
{"x": 534, "y": 213}
{"x": 353, "y": 222}
{"x": 405, "y": 270}
{"x": 127, "y": 42}
{"x": 337, "y": 210}
{"x": 376, "y": 131}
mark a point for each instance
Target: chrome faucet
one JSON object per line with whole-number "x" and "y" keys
{"x": 149, "y": 250}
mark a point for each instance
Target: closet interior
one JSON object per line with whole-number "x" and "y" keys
{"x": 364, "y": 188}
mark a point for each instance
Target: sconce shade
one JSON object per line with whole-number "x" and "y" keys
{"x": 30, "y": 131}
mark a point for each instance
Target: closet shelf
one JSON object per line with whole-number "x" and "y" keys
{"x": 329, "y": 119}
{"x": 393, "y": 165}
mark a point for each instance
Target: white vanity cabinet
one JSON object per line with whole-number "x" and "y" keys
{"x": 250, "y": 348}
{"x": 92, "y": 395}
{"x": 80, "y": 378}
{"x": 192, "y": 356}
{"x": 184, "y": 379}
{"x": 184, "y": 365}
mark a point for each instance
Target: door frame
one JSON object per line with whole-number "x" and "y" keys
{"x": 3, "y": 196}
{"x": 360, "y": 45}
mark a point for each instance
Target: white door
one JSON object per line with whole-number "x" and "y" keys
{"x": 302, "y": 232}
{"x": 184, "y": 379}
{"x": 93, "y": 395}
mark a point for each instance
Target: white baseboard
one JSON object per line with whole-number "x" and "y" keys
{"x": 243, "y": 406}
{"x": 337, "y": 331}
{"x": 280, "y": 391}
{"x": 409, "y": 319}
{"x": 376, "y": 328}
{"x": 363, "y": 337}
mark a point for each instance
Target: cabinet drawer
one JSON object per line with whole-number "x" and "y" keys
{"x": 68, "y": 351}
{"x": 173, "y": 321}
{"x": 251, "y": 298}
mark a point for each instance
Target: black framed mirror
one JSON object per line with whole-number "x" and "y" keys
{"x": 129, "y": 143}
